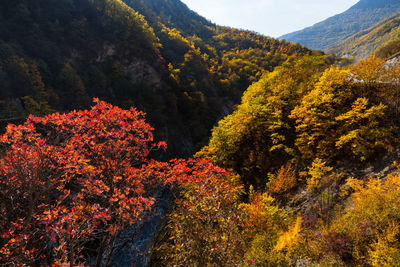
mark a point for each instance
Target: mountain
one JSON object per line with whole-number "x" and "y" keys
{"x": 173, "y": 14}
{"x": 333, "y": 30}
{"x": 381, "y": 38}
{"x": 157, "y": 55}
{"x": 310, "y": 152}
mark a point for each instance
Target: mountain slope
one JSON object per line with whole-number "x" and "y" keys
{"x": 64, "y": 50}
{"x": 173, "y": 14}
{"x": 156, "y": 55}
{"x": 365, "y": 42}
{"x": 333, "y": 30}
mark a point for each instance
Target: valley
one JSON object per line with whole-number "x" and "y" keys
{"x": 139, "y": 133}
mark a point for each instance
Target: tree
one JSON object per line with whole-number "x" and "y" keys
{"x": 343, "y": 114}
{"x": 317, "y": 171}
{"x": 363, "y": 131}
{"x": 371, "y": 221}
{"x": 205, "y": 225}
{"x": 258, "y": 137}
{"x": 315, "y": 115}
{"x": 283, "y": 182}
{"x": 264, "y": 224}
{"x": 67, "y": 180}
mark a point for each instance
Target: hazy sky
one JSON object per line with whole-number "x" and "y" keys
{"x": 270, "y": 17}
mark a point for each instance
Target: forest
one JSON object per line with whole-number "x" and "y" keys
{"x": 58, "y": 55}
{"x": 271, "y": 154}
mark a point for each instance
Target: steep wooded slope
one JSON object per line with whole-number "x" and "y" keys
{"x": 182, "y": 70}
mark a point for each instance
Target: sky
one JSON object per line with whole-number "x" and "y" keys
{"x": 269, "y": 17}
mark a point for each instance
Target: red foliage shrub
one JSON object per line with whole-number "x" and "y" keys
{"x": 67, "y": 179}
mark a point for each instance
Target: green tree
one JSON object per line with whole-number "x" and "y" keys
{"x": 71, "y": 87}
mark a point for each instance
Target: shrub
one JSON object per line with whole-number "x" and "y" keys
{"x": 75, "y": 179}
{"x": 284, "y": 181}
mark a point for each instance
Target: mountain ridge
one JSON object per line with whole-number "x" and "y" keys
{"x": 362, "y": 44}
{"x": 337, "y": 28}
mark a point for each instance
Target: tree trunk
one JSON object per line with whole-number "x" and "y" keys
{"x": 103, "y": 245}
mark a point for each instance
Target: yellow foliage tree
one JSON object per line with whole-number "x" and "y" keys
{"x": 315, "y": 115}
{"x": 372, "y": 221}
{"x": 291, "y": 242}
{"x": 386, "y": 251}
{"x": 343, "y": 114}
{"x": 258, "y": 136}
{"x": 316, "y": 172}
{"x": 264, "y": 221}
{"x": 362, "y": 130}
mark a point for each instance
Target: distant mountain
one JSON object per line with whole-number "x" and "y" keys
{"x": 333, "y": 30}
{"x": 157, "y": 55}
{"x": 381, "y": 38}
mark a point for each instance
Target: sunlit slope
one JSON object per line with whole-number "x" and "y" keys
{"x": 362, "y": 44}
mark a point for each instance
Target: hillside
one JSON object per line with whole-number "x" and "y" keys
{"x": 333, "y": 30}
{"x": 318, "y": 141}
{"x": 362, "y": 44}
{"x": 313, "y": 180}
{"x": 174, "y": 14}
{"x": 297, "y": 159}
{"x": 157, "y": 55}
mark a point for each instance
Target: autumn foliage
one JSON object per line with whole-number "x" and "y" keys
{"x": 205, "y": 226}
{"x": 71, "y": 183}
{"x": 283, "y": 181}
{"x": 308, "y": 109}
{"x": 326, "y": 121}
{"x": 68, "y": 181}
{"x": 70, "y": 178}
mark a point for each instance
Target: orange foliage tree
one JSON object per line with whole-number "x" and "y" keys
{"x": 283, "y": 181}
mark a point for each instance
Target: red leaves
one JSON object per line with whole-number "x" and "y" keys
{"x": 84, "y": 160}
{"x": 70, "y": 178}
{"x": 206, "y": 219}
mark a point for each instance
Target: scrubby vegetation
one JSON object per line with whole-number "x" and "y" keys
{"x": 296, "y": 137}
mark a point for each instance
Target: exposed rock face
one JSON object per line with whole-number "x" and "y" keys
{"x": 141, "y": 72}
{"x": 137, "y": 70}
{"x": 394, "y": 60}
{"x": 134, "y": 245}
{"x": 107, "y": 51}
